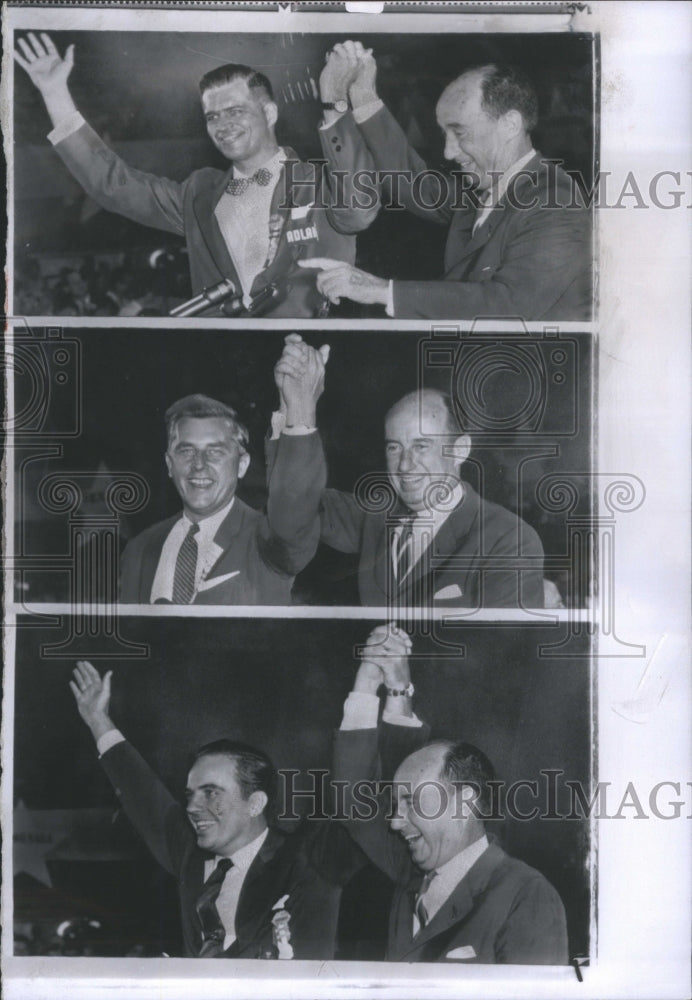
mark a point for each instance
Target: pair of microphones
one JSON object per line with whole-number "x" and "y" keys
{"x": 226, "y": 295}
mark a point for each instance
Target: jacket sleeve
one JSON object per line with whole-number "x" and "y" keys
{"x": 544, "y": 254}
{"x": 519, "y": 581}
{"x": 140, "y": 196}
{"x": 357, "y": 763}
{"x": 535, "y": 931}
{"x": 350, "y": 189}
{"x": 152, "y": 810}
{"x": 130, "y": 568}
{"x": 392, "y": 153}
{"x": 341, "y": 521}
{"x": 296, "y": 476}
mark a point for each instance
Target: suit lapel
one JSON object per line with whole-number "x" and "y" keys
{"x": 151, "y": 554}
{"x": 225, "y": 537}
{"x": 261, "y": 889}
{"x": 432, "y": 940}
{"x": 203, "y": 206}
{"x": 286, "y": 196}
{"x": 447, "y": 541}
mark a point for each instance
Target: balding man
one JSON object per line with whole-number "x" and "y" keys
{"x": 433, "y": 542}
{"x": 518, "y": 242}
{"x": 458, "y": 897}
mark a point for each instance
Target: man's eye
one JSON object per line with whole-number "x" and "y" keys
{"x": 215, "y": 452}
{"x": 184, "y": 451}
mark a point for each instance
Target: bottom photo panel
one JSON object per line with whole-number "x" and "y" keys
{"x": 303, "y": 789}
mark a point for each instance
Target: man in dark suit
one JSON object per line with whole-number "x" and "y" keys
{"x": 519, "y": 237}
{"x": 251, "y": 223}
{"x": 227, "y": 910}
{"x": 458, "y": 896}
{"x": 220, "y": 551}
{"x": 426, "y": 538}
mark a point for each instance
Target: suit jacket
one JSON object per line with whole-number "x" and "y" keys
{"x": 281, "y": 867}
{"x": 307, "y": 227}
{"x": 502, "y": 911}
{"x": 482, "y": 556}
{"x": 261, "y": 552}
{"x": 531, "y": 259}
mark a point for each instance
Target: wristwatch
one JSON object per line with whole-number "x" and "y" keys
{"x": 406, "y": 692}
{"x": 341, "y": 106}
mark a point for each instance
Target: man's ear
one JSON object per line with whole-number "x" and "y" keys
{"x": 513, "y": 124}
{"x": 258, "y": 803}
{"x": 243, "y": 463}
{"x": 461, "y": 448}
{"x": 168, "y": 464}
{"x": 271, "y": 113}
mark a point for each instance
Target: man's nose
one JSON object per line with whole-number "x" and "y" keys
{"x": 198, "y": 460}
{"x": 397, "y": 821}
{"x": 451, "y": 148}
{"x": 405, "y": 461}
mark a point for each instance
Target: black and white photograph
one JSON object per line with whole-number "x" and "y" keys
{"x": 304, "y": 175}
{"x": 119, "y": 827}
{"x": 342, "y": 468}
{"x": 346, "y": 501}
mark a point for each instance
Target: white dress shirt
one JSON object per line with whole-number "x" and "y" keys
{"x": 448, "y": 877}
{"x": 425, "y": 526}
{"x": 229, "y": 894}
{"x": 207, "y": 553}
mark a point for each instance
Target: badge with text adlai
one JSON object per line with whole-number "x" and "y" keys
{"x": 302, "y": 234}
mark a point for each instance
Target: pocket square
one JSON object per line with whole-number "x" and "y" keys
{"x": 216, "y": 580}
{"x": 465, "y": 952}
{"x": 301, "y": 211}
{"x": 449, "y": 593}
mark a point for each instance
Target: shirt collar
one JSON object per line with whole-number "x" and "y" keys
{"x": 244, "y": 857}
{"x": 450, "y": 874}
{"x": 208, "y": 526}
{"x": 494, "y": 195}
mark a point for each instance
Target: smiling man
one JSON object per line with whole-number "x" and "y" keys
{"x": 220, "y": 550}
{"x": 458, "y": 897}
{"x": 234, "y": 870}
{"x": 250, "y": 223}
{"x": 518, "y": 241}
{"x": 437, "y": 543}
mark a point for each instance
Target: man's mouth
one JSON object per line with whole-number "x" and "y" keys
{"x": 201, "y": 825}
{"x": 199, "y": 482}
{"x": 412, "y": 839}
{"x": 230, "y": 137}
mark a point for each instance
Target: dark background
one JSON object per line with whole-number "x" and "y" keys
{"x": 280, "y": 684}
{"x": 126, "y": 382}
{"x": 139, "y": 91}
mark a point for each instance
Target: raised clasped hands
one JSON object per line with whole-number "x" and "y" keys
{"x": 299, "y": 375}
{"x": 384, "y": 660}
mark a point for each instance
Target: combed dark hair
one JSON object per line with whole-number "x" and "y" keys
{"x": 463, "y": 763}
{"x": 507, "y": 88}
{"x": 201, "y": 406}
{"x": 236, "y": 71}
{"x": 254, "y": 770}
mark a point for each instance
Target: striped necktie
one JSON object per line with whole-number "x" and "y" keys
{"x": 420, "y": 909}
{"x": 213, "y": 931}
{"x": 186, "y": 568}
{"x": 403, "y": 549}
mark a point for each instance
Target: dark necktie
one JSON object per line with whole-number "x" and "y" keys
{"x": 185, "y": 568}
{"x": 213, "y": 931}
{"x": 420, "y": 910}
{"x": 239, "y": 185}
{"x": 403, "y": 556}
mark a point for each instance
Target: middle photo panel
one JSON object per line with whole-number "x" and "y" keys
{"x": 438, "y": 470}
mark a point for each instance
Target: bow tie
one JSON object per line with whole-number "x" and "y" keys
{"x": 239, "y": 185}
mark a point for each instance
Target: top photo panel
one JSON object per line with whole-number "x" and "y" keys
{"x": 299, "y": 176}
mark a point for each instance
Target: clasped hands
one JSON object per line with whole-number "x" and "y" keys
{"x": 384, "y": 660}
{"x": 299, "y": 375}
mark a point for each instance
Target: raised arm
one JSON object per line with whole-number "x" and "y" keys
{"x": 150, "y": 807}
{"x": 296, "y": 466}
{"x": 140, "y": 196}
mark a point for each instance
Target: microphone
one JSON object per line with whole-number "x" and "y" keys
{"x": 211, "y": 296}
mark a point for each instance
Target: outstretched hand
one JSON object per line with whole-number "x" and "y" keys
{"x": 92, "y": 694}
{"x": 42, "y": 61}
{"x": 337, "y": 279}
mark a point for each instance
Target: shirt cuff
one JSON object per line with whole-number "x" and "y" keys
{"x": 109, "y": 740}
{"x": 279, "y": 426}
{"x": 394, "y": 719}
{"x": 366, "y": 111}
{"x": 66, "y": 127}
{"x": 323, "y": 125}
{"x": 389, "y": 308}
{"x": 360, "y": 711}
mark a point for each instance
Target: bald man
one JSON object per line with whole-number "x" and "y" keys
{"x": 518, "y": 241}
{"x": 458, "y": 897}
{"x": 434, "y": 542}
